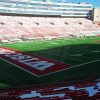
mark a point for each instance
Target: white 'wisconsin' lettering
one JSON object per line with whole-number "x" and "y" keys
{"x": 27, "y": 59}
{"x": 40, "y": 65}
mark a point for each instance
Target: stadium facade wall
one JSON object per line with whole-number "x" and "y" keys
{"x": 96, "y": 14}
{"x": 46, "y": 8}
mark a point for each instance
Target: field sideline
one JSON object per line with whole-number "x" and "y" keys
{"x": 82, "y": 53}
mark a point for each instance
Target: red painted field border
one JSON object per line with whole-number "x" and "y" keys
{"x": 54, "y": 68}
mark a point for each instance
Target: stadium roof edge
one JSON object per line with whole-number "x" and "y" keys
{"x": 37, "y": 15}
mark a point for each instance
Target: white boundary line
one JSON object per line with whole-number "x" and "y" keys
{"x": 51, "y": 72}
{"x": 19, "y": 67}
{"x": 86, "y": 63}
{"x": 72, "y": 67}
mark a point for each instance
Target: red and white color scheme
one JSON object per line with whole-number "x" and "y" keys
{"x": 33, "y": 64}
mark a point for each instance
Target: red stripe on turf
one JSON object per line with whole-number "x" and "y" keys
{"x": 16, "y": 57}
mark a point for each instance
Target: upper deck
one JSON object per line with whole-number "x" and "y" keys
{"x": 45, "y": 8}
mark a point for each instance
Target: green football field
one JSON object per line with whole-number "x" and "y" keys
{"x": 82, "y": 53}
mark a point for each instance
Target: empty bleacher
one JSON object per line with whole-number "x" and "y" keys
{"x": 15, "y": 28}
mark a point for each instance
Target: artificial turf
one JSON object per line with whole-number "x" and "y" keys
{"x": 82, "y": 53}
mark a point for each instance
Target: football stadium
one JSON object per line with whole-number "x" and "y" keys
{"x": 49, "y": 50}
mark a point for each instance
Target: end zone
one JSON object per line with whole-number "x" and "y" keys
{"x": 34, "y": 64}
